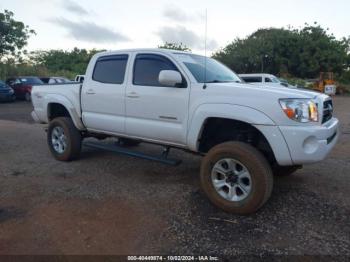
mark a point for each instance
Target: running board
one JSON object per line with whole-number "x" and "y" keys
{"x": 120, "y": 150}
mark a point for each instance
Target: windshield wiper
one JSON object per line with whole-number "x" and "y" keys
{"x": 214, "y": 81}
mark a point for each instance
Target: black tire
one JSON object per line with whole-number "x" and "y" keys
{"x": 73, "y": 139}
{"x": 27, "y": 97}
{"x": 128, "y": 142}
{"x": 285, "y": 170}
{"x": 258, "y": 167}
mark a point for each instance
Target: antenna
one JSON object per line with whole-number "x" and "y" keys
{"x": 205, "y": 49}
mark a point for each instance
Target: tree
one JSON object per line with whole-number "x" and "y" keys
{"x": 299, "y": 53}
{"x": 65, "y": 63}
{"x": 13, "y": 34}
{"x": 175, "y": 46}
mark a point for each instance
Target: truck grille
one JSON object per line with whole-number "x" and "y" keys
{"x": 327, "y": 111}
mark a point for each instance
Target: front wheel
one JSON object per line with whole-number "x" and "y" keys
{"x": 236, "y": 177}
{"x": 64, "y": 139}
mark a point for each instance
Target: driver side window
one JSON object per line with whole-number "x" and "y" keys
{"x": 147, "y": 68}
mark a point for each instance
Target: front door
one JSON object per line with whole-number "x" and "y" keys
{"x": 154, "y": 111}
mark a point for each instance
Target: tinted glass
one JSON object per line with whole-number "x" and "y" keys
{"x": 110, "y": 69}
{"x": 268, "y": 80}
{"x": 31, "y": 80}
{"x": 147, "y": 68}
{"x": 252, "y": 79}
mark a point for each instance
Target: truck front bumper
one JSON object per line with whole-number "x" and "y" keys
{"x": 311, "y": 144}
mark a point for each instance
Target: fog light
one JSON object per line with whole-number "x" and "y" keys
{"x": 310, "y": 145}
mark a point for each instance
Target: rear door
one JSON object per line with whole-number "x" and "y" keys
{"x": 154, "y": 111}
{"x": 103, "y": 94}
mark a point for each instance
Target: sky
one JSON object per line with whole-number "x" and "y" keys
{"x": 113, "y": 25}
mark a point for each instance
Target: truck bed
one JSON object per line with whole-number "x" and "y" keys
{"x": 68, "y": 92}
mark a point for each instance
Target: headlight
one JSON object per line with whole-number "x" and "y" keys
{"x": 300, "y": 110}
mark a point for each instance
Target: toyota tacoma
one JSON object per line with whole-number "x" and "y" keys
{"x": 245, "y": 133}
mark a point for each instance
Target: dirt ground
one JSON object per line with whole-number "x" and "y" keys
{"x": 113, "y": 204}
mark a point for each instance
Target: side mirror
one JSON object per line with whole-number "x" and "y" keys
{"x": 169, "y": 78}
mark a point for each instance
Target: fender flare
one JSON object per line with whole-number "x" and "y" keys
{"x": 65, "y": 102}
{"x": 229, "y": 111}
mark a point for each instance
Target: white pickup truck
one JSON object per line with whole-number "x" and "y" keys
{"x": 245, "y": 133}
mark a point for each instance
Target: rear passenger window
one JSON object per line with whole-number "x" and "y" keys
{"x": 110, "y": 69}
{"x": 147, "y": 68}
{"x": 252, "y": 79}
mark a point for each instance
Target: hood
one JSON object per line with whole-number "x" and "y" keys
{"x": 296, "y": 92}
{"x": 258, "y": 97}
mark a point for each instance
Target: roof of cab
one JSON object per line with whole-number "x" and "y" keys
{"x": 158, "y": 50}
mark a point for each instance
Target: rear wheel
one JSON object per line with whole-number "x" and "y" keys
{"x": 28, "y": 97}
{"x": 64, "y": 139}
{"x": 236, "y": 177}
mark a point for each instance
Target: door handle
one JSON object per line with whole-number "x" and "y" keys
{"x": 133, "y": 95}
{"x": 90, "y": 92}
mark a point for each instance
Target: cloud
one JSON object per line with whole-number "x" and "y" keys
{"x": 181, "y": 34}
{"x": 176, "y": 14}
{"x": 90, "y": 32}
{"x": 74, "y": 7}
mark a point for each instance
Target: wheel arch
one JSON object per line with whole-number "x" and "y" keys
{"x": 242, "y": 124}
{"x": 224, "y": 111}
{"x": 61, "y": 106}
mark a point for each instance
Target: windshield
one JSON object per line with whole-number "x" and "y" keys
{"x": 215, "y": 71}
{"x": 274, "y": 80}
{"x": 31, "y": 80}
